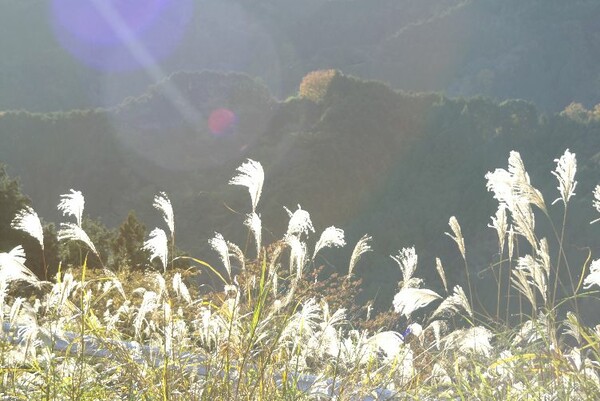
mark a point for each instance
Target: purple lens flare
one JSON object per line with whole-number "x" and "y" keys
{"x": 118, "y": 35}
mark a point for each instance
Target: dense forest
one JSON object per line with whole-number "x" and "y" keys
{"x": 541, "y": 51}
{"x": 356, "y": 154}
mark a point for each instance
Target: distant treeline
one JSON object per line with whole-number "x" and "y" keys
{"x": 363, "y": 157}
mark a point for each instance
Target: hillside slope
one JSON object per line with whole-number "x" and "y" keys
{"x": 366, "y": 159}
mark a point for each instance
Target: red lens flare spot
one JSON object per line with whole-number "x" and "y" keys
{"x": 221, "y": 121}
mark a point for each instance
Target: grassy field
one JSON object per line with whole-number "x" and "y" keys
{"x": 268, "y": 328}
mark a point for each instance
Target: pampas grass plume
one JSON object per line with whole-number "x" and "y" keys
{"x": 219, "y": 244}
{"x": 28, "y": 221}
{"x": 74, "y": 232}
{"x": 409, "y": 300}
{"x": 566, "y": 168}
{"x": 72, "y": 204}
{"x": 330, "y": 237}
{"x": 252, "y": 176}
{"x": 361, "y": 247}
{"x": 299, "y": 223}
{"x": 163, "y": 204}
{"x": 158, "y": 247}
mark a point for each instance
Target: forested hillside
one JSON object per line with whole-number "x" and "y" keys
{"x": 363, "y": 157}
{"x": 541, "y": 51}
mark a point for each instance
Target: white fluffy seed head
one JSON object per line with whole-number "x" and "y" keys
{"x": 297, "y": 254}
{"x": 163, "y": 204}
{"x": 27, "y": 220}
{"x": 254, "y": 223}
{"x": 593, "y": 278}
{"x": 12, "y": 268}
{"x": 407, "y": 259}
{"x": 453, "y": 304}
{"x": 72, "y": 204}
{"x": 361, "y": 247}
{"x": 330, "y": 237}
{"x": 158, "y": 246}
{"x": 457, "y": 236}
{"x": 566, "y": 167}
{"x": 408, "y": 300}
{"x": 299, "y": 223}
{"x": 440, "y": 269}
{"x": 252, "y": 176}
{"x": 219, "y": 244}
{"x": 74, "y": 232}
{"x": 500, "y": 224}
{"x": 596, "y": 201}
{"x": 181, "y": 289}
{"x": 521, "y": 184}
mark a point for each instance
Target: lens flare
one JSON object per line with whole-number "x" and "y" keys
{"x": 222, "y": 121}
{"x": 116, "y": 35}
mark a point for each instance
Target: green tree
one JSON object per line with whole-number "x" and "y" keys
{"x": 128, "y": 242}
{"x": 12, "y": 200}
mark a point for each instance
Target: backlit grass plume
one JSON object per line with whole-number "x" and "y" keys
{"x": 158, "y": 246}
{"x": 566, "y": 167}
{"x": 361, "y": 247}
{"x": 330, "y": 237}
{"x": 74, "y": 232}
{"x": 28, "y": 221}
{"x": 219, "y": 244}
{"x": 299, "y": 223}
{"x": 277, "y": 330}
{"x": 254, "y": 223}
{"x": 252, "y": 176}
{"x": 72, "y": 204}
{"x": 12, "y": 267}
{"x": 163, "y": 204}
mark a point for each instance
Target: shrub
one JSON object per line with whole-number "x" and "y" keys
{"x": 315, "y": 84}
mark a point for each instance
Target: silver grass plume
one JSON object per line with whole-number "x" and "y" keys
{"x": 407, "y": 260}
{"x": 535, "y": 272}
{"x": 457, "y": 237}
{"x": 158, "y": 247}
{"x": 163, "y": 204}
{"x": 500, "y": 224}
{"x": 566, "y": 167}
{"x": 389, "y": 342}
{"x": 521, "y": 183}
{"x": 252, "y": 176}
{"x": 149, "y": 303}
{"x": 181, "y": 289}
{"x": 452, "y": 304}
{"x": 361, "y": 247}
{"x": 524, "y": 220}
{"x": 330, "y": 237}
{"x": 440, "y": 269}
{"x": 28, "y": 221}
{"x": 475, "y": 340}
{"x": 219, "y": 244}
{"x": 72, "y": 204}
{"x": 409, "y": 300}
{"x": 500, "y": 183}
{"x": 12, "y": 267}
{"x": 74, "y": 232}
{"x": 297, "y": 254}
{"x": 237, "y": 253}
{"x": 594, "y": 277}
{"x": 254, "y": 223}
{"x": 299, "y": 223}
{"x": 596, "y": 202}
